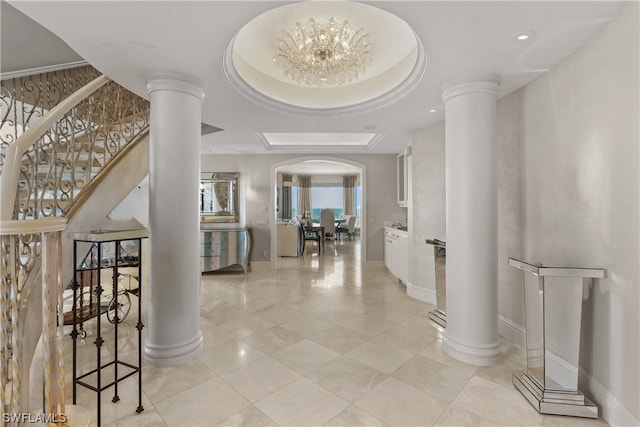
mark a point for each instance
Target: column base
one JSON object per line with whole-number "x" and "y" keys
{"x": 165, "y": 355}
{"x": 439, "y": 317}
{"x": 554, "y": 402}
{"x": 475, "y": 355}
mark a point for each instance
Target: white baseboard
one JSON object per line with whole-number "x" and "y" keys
{"x": 610, "y": 407}
{"x": 512, "y": 332}
{"x": 421, "y": 294}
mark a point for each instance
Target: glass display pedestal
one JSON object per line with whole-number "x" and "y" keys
{"x": 438, "y": 314}
{"x": 553, "y": 311}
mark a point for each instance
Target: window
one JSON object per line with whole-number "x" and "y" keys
{"x": 326, "y": 197}
{"x": 295, "y": 196}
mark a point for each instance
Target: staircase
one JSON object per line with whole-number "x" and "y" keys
{"x": 70, "y": 153}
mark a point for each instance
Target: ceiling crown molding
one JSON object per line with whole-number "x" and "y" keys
{"x": 320, "y": 148}
{"x": 42, "y": 70}
{"x": 414, "y": 78}
{"x": 177, "y": 83}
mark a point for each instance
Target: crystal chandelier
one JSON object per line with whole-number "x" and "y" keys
{"x": 323, "y": 54}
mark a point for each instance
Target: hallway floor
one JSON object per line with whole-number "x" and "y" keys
{"x": 313, "y": 341}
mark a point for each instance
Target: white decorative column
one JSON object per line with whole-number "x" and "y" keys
{"x": 174, "y": 335}
{"x": 471, "y": 334}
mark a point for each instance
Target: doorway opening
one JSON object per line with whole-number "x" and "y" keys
{"x": 328, "y": 186}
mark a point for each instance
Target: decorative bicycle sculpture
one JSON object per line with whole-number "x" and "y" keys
{"x": 114, "y": 301}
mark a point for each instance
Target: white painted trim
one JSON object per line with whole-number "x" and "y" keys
{"x": 363, "y": 207}
{"x": 408, "y": 85}
{"x": 512, "y": 332}
{"x": 42, "y": 70}
{"x": 471, "y": 83}
{"x": 175, "y": 354}
{"x": 175, "y": 83}
{"x": 481, "y": 355}
{"x": 314, "y": 148}
{"x": 611, "y": 409}
{"x": 422, "y": 294}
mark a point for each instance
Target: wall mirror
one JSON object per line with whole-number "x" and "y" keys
{"x": 219, "y": 197}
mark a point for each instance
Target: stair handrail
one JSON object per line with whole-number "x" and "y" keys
{"x": 13, "y": 155}
{"x": 40, "y": 233}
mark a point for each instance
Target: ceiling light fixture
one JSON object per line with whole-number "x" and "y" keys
{"x": 323, "y": 54}
{"x": 522, "y": 36}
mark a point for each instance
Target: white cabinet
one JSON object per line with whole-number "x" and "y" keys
{"x": 401, "y": 256}
{"x": 389, "y": 241}
{"x": 396, "y": 253}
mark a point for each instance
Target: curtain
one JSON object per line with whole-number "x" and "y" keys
{"x": 286, "y": 196}
{"x": 349, "y": 184}
{"x": 305, "y": 194}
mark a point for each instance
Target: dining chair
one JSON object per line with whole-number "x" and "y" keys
{"x": 348, "y": 227}
{"x": 313, "y": 235}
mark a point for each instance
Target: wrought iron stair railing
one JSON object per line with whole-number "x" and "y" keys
{"x": 48, "y": 168}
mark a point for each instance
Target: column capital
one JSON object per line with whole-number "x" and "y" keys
{"x": 470, "y": 83}
{"x": 175, "y": 83}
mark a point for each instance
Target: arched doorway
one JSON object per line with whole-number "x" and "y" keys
{"x": 312, "y": 163}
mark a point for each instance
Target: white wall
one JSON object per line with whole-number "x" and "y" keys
{"x": 428, "y": 219}
{"x": 255, "y": 179}
{"x": 580, "y": 192}
{"x": 509, "y": 164}
{"x": 135, "y": 205}
{"x": 568, "y": 189}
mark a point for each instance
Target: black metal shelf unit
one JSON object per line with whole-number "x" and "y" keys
{"x": 113, "y": 249}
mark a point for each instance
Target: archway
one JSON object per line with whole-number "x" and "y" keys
{"x": 358, "y": 168}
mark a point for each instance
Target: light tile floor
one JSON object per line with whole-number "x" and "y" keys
{"x": 313, "y": 341}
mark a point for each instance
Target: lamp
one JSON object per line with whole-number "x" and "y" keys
{"x": 323, "y": 54}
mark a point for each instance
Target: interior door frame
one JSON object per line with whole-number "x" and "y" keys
{"x": 363, "y": 191}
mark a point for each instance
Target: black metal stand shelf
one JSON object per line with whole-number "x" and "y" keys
{"x": 122, "y": 248}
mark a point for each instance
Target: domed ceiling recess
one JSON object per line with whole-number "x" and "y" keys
{"x": 398, "y": 60}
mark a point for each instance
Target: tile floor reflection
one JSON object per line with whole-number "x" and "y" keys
{"x": 313, "y": 341}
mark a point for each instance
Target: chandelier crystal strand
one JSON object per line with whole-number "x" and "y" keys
{"x": 323, "y": 54}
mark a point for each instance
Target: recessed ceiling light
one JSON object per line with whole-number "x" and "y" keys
{"x": 432, "y": 110}
{"x": 522, "y": 36}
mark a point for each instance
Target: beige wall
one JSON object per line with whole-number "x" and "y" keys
{"x": 568, "y": 189}
{"x": 255, "y": 197}
{"x": 427, "y": 204}
{"x": 256, "y": 206}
